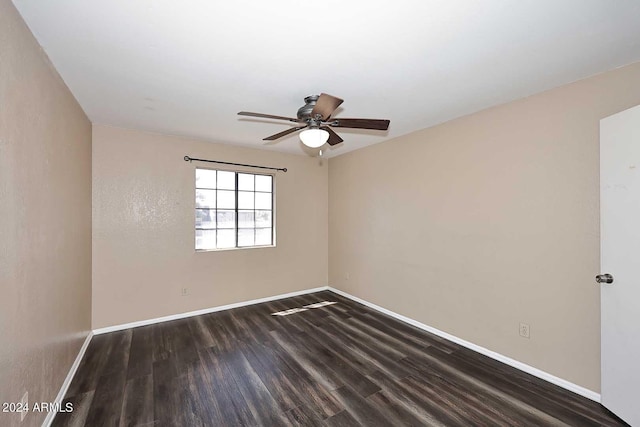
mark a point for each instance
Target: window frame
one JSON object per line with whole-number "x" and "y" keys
{"x": 236, "y": 210}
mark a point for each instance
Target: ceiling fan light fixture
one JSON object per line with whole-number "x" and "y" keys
{"x": 314, "y": 138}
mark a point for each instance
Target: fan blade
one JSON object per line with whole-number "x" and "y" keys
{"x": 334, "y": 138}
{"x": 283, "y": 133}
{"x": 267, "y": 116}
{"x": 325, "y": 106}
{"x": 376, "y": 124}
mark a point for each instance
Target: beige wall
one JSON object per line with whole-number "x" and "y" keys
{"x": 143, "y": 229}
{"x": 45, "y": 222}
{"x": 486, "y": 221}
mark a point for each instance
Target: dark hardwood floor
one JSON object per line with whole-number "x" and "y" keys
{"x": 339, "y": 365}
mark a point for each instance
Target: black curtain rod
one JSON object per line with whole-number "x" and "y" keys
{"x": 191, "y": 159}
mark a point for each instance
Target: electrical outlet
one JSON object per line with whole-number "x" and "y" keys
{"x": 347, "y": 276}
{"x": 24, "y": 405}
{"x": 524, "y": 330}
{"x": 184, "y": 292}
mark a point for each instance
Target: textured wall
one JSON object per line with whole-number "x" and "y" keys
{"x": 45, "y": 226}
{"x": 486, "y": 221}
{"x": 143, "y": 229}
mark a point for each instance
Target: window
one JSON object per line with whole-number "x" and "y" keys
{"x": 233, "y": 209}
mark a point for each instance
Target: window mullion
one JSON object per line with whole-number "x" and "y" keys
{"x": 237, "y": 214}
{"x": 272, "y": 209}
{"x": 215, "y": 211}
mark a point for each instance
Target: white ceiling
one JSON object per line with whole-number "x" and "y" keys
{"x": 187, "y": 67}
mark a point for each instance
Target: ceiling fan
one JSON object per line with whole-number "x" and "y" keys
{"x": 315, "y": 118}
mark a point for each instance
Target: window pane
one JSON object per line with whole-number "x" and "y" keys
{"x": 205, "y": 218}
{"x": 246, "y": 237}
{"x": 226, "y": 239}
{"x": 245, "y": 199}
{"x": 263, "y": 200}
{"x": 245, "y": 219}
{"x": 263, "y": 219}
{"x": 205, "y": 198}
{"x": 226, "y": 180}
{"x": 263, "y": 182}
{"x": 229, "y": 207}
{"x": 226, "y": 199}
{"x": 226, "y": 219}
{"x": 205, "y": 239}
{"x": 263, "y": 236}
{"x": 205, "y": 178}
{"x": 245, "y": 181}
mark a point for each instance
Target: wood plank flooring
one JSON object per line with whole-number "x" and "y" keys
{"x": 339, "y": 365}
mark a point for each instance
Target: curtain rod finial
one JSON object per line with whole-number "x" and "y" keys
{"x": 187, "y": 158}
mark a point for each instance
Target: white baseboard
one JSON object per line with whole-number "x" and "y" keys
{"x": 204, "y": 311}
{"x": 489, "y": 353}
{"x": 67, "y": 381}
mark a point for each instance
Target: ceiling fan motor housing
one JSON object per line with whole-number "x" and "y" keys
{"x": 304, "y": 112}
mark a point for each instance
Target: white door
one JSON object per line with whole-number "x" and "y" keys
{"x": 620, "y": 257}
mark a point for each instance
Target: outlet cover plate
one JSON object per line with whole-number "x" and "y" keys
{"x": 524, "y": 330}
{"x": 24, "y": 405}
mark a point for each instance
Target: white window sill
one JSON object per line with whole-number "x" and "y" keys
{"x": 235, "y": 249}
